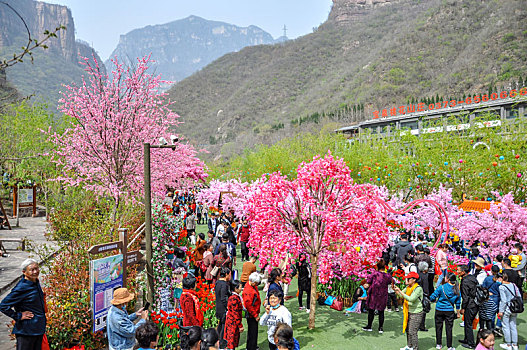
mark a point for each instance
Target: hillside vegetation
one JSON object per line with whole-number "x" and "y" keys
{"x": 388, "y": 55}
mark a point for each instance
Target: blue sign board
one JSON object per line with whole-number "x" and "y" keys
{"x": 106, "y": 275}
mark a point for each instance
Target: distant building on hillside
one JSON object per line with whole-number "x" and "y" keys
{"x": 492, "y": 113}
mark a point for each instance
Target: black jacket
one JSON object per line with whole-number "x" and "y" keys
{"x": 26, "y": 296}
{"x": 209, "y": 224}
{"x": 401, "y": 249}
{"x": 222, "y": 291}
{"x": 304, "y": 276}
{"x": 468, "y": 292}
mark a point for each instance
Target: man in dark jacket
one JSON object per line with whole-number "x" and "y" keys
{"x": 402, "y": 248}
{"x": 469, "y": 308}
{"x": 25, "y": 305}
{"x": 304, "y": 281}
{"x": 213, "y": 223}
{"x": 222, "y": 291}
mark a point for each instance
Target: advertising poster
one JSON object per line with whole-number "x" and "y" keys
{"x": 25, "y": 195}
{"x": 106, "y": 275}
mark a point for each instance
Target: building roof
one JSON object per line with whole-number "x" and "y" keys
{"x": 479, "y": 206}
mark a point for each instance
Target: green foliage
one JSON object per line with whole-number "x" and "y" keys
{"x": 406, "y": 163}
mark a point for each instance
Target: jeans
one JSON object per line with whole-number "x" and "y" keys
{"x": 510, "y": 333}
{"x": 245, "y": 251}
{"x": 221, "y": 330}
{"x": 252, "y": 333}
{"x": 448, "y": 318}
{"x": 412, "y": 330}
{"x": 470, "y": 315}
{"x": 29, "y": 342}
{"x": 392, "y": 301}
{"x": 301, "y": 296}
{"x": 441, "y": 277}
{"x": 371, "y": 315}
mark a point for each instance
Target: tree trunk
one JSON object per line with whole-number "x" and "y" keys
{"x": 314, "y": 279}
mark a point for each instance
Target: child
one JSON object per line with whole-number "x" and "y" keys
{"x": 515, "y": 258}
{"x": 485, "y": 340}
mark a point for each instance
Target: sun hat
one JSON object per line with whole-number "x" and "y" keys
{"x": 480, "y": 262}
{"x": 412, "y": 275}
{"x": 121, "y": 296}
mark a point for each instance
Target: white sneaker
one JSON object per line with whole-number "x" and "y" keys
{"x": 452, "y": 348}
{"x": 439, "y": 346}
{"x": 407, "y": 348}
{"x": 515, "y": 347}
{"x": 505, "y": 346}
{"x": 307, "y": 310}
{"x": 462, "y": 324}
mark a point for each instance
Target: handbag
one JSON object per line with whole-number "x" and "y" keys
{"x": 437, "y": 269}
{"x": 214, "y": 271}
{"x": 329, "y": 300}
{"x": 45, "y": 344}
{"x": 337, "y": 305}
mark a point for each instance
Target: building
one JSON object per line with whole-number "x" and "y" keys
{"x": 492, "y": 113}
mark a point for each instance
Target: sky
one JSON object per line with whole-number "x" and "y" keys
{"x": 101, "y": 22}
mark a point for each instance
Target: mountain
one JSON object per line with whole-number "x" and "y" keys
{"x": 53, "y": 67}
{"x": 370, "y": 53}
{"x": 183, "y": 47}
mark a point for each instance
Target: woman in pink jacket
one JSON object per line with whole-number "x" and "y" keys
{"x": 442, "y": 261}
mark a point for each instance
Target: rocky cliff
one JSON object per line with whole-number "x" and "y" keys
{"x": 57, "y": 65}
{"x": 183, "y": 47}
{"x": 347, "y": 11}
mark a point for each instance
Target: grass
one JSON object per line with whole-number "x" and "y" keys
{"x": 334, "y": 330}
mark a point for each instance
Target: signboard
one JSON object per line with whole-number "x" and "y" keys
{"x": 25, "y": 196}
{"x": 106, "y": 275}
{"x": 422, "y": 107}
{"x": 105, "y": 247}
{"x": 133, "y": 257}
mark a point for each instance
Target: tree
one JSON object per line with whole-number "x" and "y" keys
{"x": 500, "y": 227}
{"x": 103, "y": 148}
{"x": 235, "y": 200}
{"x": 322, "y": 213}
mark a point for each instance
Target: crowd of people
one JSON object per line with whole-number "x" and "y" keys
{"x": 486, "y": 289}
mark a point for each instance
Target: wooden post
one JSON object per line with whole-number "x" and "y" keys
{"x": 15, "y": 200}
{"x": 5, "y": 215}
{"x": 34, "y": 201}
{"x": 123, "y": 237}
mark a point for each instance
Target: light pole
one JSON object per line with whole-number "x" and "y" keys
{"x": 148, "y": 214}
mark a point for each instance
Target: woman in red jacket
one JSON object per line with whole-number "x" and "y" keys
{"x": 192, "y": 314}
{"x": 233, "y": 324}
{"x": 252, "y": 302}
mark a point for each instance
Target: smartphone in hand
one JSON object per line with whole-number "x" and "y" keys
{"x": 147, "y": 306}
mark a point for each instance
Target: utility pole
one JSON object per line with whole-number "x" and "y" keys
{"x": 285, "y": 31}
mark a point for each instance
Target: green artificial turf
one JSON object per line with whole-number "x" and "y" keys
{"x": 334, "y": 330}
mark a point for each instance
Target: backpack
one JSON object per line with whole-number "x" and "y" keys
{"x": 482, "y": 295}
{"x": 427, "y": 305}
{"x": 516, "y": 303}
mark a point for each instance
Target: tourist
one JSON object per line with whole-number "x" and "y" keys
{"x": 485, "y": 340}
{"x": 199, "y": 212}
{"x": 431, "y": 269}
{"x": 448, "y": 300}
{"x": 409, "y": 264}
{"x": 489, "y": 309}
{"x": 442, "y": 261}
{"x": 275, "y": 277}
{"x": 508, "y": 291}
{"x": 210, "y": 339}
{"x": 213, "y": 223}
{"x": 252, "y": 303}
{"x": 25, "y": 305}
{"x": 192, "y": 314}
{"x": 222, "y": 230}
{"x": 208, "y": 262}
{"x": 423, "y": 282}
{"x": 413, "y": 310}
{"x": 359, "y": 298}
{"x": 479, "y": 270}
{"x": 392, "y": 304}
{"x": 283, "y": 337}
{"x": 222, "y": 259}
{"x": 213, "y": 240}
{"x": 147, "y": 336}
{"x": 222, "y": 293}
{"x": 522, "y": 265}
{"x": 119, "y": 324}
{"x": 469, "y": 308}
{"x": 274, "y": 313}
{"x": 231, "y": 248}
{"x": 512, "y": 275}
{"x": 402, "y": 249}
{"x": 233, "y": 323}
{"x": 244, "y": 239}
{"x": 304, "y": 281}
{"x": 191, "y": 338}
{"x": 190, "y": 224}
{"x": 248, "y": 268}
{"x": 377, "y": 295}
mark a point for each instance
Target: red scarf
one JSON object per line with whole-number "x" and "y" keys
{"x": 197, "y": 310}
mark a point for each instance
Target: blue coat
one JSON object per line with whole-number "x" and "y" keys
{"x": 26, "y": 296}
{"x": 446, "y": 298}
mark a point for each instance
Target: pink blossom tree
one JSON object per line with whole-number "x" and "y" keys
{"x": 500, "y": 227}
{"x": 111, "y": 119}
{"x": 322, "y": 213}
{"x": 235, "y": 199}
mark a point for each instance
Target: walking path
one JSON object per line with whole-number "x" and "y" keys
{"x": 33, "y": 231}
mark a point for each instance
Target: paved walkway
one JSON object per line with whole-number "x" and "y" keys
{"x": 33, "y": 230}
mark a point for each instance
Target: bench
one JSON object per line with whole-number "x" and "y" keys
{"x": 18, "y": 240}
